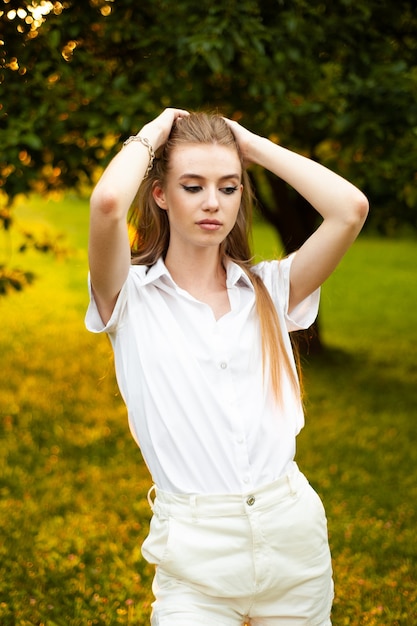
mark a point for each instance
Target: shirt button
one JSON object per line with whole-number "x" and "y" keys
{"x": 223, "y": 365}
{"x": 240, "y": 440}
{"x": 250, "y": 501}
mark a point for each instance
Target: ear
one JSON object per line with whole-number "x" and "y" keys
{"x": 159, "y": 195}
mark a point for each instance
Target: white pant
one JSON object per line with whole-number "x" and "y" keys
{"x": 261, "y": 558}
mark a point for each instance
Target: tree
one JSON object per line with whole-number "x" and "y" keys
{"x": 337, "y": 81}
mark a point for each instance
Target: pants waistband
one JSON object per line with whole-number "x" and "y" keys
{"x": 215, "y": 505}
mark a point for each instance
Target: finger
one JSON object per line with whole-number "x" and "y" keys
{"x": 177, "y": 112}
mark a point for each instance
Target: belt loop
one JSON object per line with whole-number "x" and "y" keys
{"x": 193, "y": 506}
{"x": 291, "y": 483}
{"x": 149, "y": 496}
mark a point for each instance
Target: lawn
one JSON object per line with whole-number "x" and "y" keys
{"x": 73, "y": 510}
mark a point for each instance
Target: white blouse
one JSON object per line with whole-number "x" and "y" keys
{"x": 198, "y": 403}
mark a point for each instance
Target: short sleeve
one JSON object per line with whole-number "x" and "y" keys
{"x": 276, "y": 277}
{"x": 93, "y": 321}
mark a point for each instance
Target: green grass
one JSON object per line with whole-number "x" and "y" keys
{"x": 359, "y": 447}
{"x": 73, "y": 510}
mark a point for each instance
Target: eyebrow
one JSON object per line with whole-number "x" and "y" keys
{"x": 199, "y": 177}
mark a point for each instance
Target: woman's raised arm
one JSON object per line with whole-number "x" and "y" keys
{"x": 344, "y": 209}
{"x": 109, "y": 248}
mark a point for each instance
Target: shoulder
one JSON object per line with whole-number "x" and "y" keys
{"x": 147, "y": 274}
{"x": 276, "y": 277}
{"x": 275, "y": 274}
{"x": 128, "y": 297}
{"x": 138, "y": 273}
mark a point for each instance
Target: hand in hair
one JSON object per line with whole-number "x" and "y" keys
{"x": 157, "y": 131}
{"x": 244, "y": 138}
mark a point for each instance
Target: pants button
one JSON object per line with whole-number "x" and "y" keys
{"x": 251, "y": 500}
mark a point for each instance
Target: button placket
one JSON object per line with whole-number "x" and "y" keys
{"x": 222, "y": 350}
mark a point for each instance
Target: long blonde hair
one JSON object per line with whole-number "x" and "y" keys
{"x": 149, "y": 228}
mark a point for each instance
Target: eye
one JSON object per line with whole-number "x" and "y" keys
{"x": 191, "y": 188}
{"x": 228, "y": 190}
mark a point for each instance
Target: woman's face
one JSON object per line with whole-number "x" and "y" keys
{"x": 202, "y": 195}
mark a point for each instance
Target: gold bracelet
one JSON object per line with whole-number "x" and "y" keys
{"x": 144, "y": 141}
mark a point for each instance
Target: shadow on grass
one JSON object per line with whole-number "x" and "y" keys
{"x": 359, "y": 440}
{"x": 374, "y": 384}
{"x": 358, "y": 449}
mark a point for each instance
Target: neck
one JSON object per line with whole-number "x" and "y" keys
{"x": 204, "y": 269}
{"x": 202, "y": 274}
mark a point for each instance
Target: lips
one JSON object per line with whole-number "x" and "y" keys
{"x": 209, "y": 224}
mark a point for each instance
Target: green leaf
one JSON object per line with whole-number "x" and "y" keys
{"x": 31, "y": 140}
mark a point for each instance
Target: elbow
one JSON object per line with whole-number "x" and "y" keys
{"x": 106, "y": 203}
{"x": 363, "y": 207}
{"x": 358, "y": 210}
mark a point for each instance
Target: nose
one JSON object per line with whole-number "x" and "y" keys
{"x": 211, "y": 201}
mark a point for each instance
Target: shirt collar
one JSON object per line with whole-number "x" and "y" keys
{"x": 156, "y": 271}
{"x": 235, "y": 274}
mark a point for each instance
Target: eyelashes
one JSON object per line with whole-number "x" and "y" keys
{"x": 191, "y": 188}
{"x": 228, "y": 191}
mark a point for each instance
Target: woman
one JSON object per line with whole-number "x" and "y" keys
{"x": 205, "y": 366}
